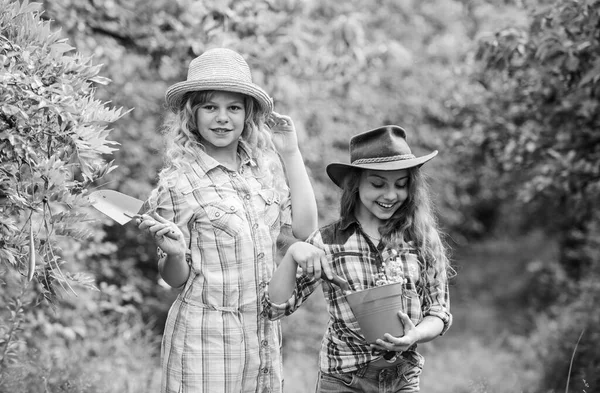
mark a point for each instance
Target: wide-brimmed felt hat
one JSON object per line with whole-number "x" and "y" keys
{"x": 218, "y": 69}
{"x": 381, "y": 149}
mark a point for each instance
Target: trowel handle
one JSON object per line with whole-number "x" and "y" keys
{"x": 170, "y": 234}
{"x": 339, "y": 281}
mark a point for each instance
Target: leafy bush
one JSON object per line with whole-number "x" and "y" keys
{"x": 566, "y": 344}
{"x": 534, "y": 133}
{"x": 53, "y": 138}
{"x": 109, "y": 352}
{"x": 53, "y": 143}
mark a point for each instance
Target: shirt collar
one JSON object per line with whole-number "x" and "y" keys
{"x": 208, "y": 163}
{"x": 346, "y": 222}
{"x": 245, "y": 155}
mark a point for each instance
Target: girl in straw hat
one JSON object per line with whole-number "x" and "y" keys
{"x": 222, "y": 201}
{"x": 386, "y": 233}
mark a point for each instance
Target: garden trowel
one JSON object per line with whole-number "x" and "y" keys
{"x": 118, "y": 206}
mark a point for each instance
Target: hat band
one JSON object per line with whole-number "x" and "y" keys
{"x": 383, "y": 159}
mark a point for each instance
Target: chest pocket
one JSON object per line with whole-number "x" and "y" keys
{"x": 272, "y": 211}
{"x": 358, "y": 268}
{"x": 226, "y": 217}
{"x": 412, "y": 270}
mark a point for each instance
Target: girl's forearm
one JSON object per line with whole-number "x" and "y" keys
{"x": 283, "y": 282}
{"x": 174, "y": 269}
{"x": 429, "y": 328}
{"x": 304, "y": 204}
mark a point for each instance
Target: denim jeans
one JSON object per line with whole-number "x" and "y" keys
{"x": 403, "y": 378}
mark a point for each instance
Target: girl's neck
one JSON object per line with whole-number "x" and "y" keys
{"x": 369, "y": 223}
{"x": 229, "y": 158}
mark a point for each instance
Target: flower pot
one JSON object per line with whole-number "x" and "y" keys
{"x": 376, "y": 310}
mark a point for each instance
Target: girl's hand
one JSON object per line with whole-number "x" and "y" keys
{"x": 311, "y": 259}
{"x": 283, "y": 132}
{"x": 158, "y": 227}
{"x": 399, "y": 344}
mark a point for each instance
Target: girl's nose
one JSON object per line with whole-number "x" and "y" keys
{"x": 391, "y": 194}
{"x": 222, "y": 116}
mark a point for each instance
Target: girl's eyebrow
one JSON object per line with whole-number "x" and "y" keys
{"x": 232, "y": 102}
{"x": 384, "y": 178}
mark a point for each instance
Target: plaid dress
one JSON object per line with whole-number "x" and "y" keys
{"x": 355, "y": 258}
{"x": 217, "y": 338}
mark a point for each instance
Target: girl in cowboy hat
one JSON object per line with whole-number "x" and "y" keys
{"x": 222, "y": 200}
{"x": 386, "y": 226}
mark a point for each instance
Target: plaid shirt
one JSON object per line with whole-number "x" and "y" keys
{"x": 217, "y": 338}
{"x": 355, "y": 258}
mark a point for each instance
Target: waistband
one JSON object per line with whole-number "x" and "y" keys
{"x": 195, "y": 303}
{"x": 371, "y": 372}
{"x": 377, "y": 369}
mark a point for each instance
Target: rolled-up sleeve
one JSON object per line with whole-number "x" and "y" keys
{"x": 305, "y": 286}
{"x": 170, "y": 205}
{"x": 436, "y": 297}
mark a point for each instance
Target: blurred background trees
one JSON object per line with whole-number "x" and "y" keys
{"x": 507, "y": 91}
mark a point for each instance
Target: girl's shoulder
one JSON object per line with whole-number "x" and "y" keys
{"x": 337, "y": 232}
{"x": 270, "y": 160}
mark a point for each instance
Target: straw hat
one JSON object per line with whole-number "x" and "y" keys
{"x": 381, "y": 149}
{"x": 218, "y": 69}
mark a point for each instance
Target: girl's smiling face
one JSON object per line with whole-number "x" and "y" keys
{"x": 220, "y": 120}
{"x": 381, "y": 193}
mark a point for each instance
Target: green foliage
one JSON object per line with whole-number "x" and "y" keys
{"x": 539, "y": 119}
{"x": 565, "y": 357}
{"x": 107, "y": 353}
{"x": 548, "y": 84}
{"x": 530, "y": 140}
{"x": 52, "y": 138}
{"x": 53, "y": 145}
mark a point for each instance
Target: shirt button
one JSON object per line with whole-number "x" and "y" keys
{"x": 232, "y": 208}
{"x": 233, "y": 174}
{"x": 262, "y": 254}
{"x": 264, "y": 343}
{"x": 247, "y": 196}
{"x": 255, "y": 226}
{"x": 217, "y": 214}
{"x": 265, "y": 370}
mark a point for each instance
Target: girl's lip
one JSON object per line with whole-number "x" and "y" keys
{"x": 380, "y": 204}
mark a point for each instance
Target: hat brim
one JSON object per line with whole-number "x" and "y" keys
{"x": 337, "y": 171}
{"x": 174, "y": 94}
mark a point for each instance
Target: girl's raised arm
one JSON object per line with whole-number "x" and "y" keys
{"x": 304, "y": 205}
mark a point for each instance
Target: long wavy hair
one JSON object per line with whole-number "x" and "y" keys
{"x": 414, "y": 221}
{"x": 183, "y": 139}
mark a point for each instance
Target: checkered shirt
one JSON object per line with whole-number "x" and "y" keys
{"x": 217, "y": 338}
{"x": 355, "y": 258}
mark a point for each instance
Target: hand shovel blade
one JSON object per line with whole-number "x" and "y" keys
{"x": 116, "y": 205}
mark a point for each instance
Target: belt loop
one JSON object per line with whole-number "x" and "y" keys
{"x": 399, "y": 369}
